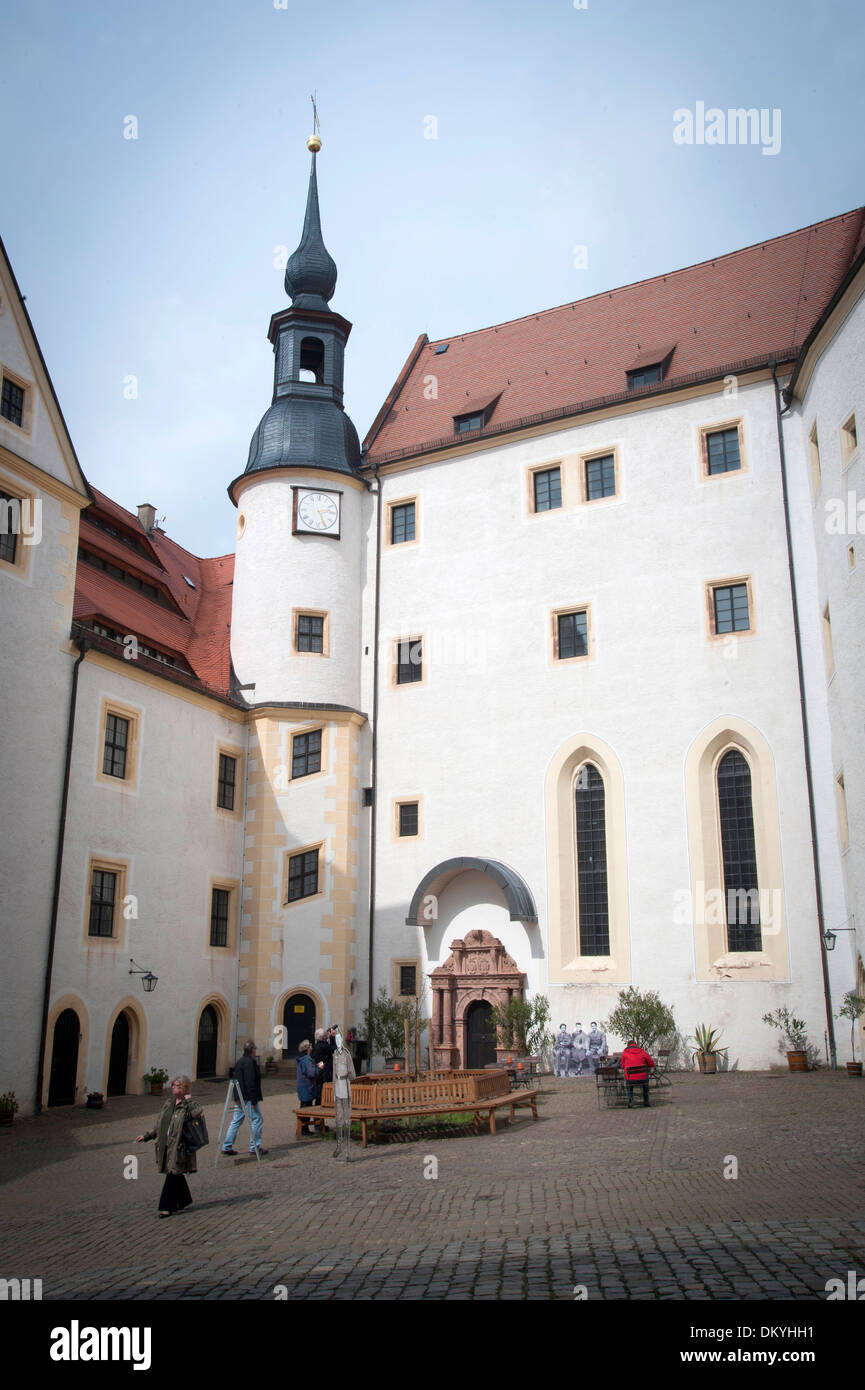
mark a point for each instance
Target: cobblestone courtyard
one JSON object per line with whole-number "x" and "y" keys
{"x": 628, "y": 1203}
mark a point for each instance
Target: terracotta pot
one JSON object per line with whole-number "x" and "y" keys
{"x": 707, "y": 1062}
{"x": 797, "y": 1061}
{"x": 156, "y": 1088}
{"x": 854, "y": 1068}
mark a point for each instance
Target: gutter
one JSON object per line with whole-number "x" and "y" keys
{"x": 373, "y": 838}
{"x": 818, "y": 884}
{"x": 58, "y": 870}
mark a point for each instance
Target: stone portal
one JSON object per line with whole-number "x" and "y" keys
{"x": 478, "y": 970}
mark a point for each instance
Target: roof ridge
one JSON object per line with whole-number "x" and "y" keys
{"x": 649, "y": 279}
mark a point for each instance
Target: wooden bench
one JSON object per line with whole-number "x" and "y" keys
{"x": 478, "y": 1093}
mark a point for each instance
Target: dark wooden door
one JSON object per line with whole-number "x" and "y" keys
{"x": 480, "y": 1035}
{"x": 118, "y": 1062}
{"x": 208, "y": 1036}
{"x": 64, "y": 1059}
{"x": 298, "y": 1017}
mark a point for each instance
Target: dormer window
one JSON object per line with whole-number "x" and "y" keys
{"x": 649, "y": 366}
{"x": 312, "y": 360}
{"x": 475, "y": 419}
{"x": 645, "y": 376}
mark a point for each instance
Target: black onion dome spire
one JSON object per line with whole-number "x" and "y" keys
{"x": 310, "y": 276}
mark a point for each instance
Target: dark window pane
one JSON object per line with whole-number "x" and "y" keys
{"x": 548, "y": 490}
{"x": 601, "y": 477}
{"x": 409, "y": 660}
{"x": 303, "y": 875}
{"x": 306, "y": 754}
{"x": 408, "y": 979}
{"x": 739, "y": 853}
{"x": 731, "y": 608}
{"x": 722, "y": 448}
{"x": 12, "y": 407}
{"x": 644, "y": 376}
{"x": 10, "y": 520}
{"x": 408, "y": 819}
{"x": 402, "y": 523}
{"x": 219, "y": 917}
{"x": 592, "y": 863}
{"x": 225, "y": 790}
{"x": 103, "y": 888}
{"x": 310, "y": 633}
{"x": 116, "y": 745}
{"x": 573, "y": 635}
{"x": 468, "y": 422}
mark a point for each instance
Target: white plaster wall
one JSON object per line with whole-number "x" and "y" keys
{"x": 175, "y": 841}
{"x": 35, "y": 679}
{"x": 276, "y": 572}
{"x": 475, "y": 740}
{"x": 836, "y": 388}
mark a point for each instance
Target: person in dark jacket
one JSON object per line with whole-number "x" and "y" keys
{"x": 636, "y": 1060}
{"x": 248, "y": 1073}
{"x": 172, "y": 1157}
{"x": 323, "y": 1050}
{"x": 308, "y": 1073}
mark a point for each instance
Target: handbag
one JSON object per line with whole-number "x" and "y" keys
{"x": 194, "y": 1133}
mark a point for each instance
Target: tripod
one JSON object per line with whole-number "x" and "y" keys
{"x": 234, "y": 1096}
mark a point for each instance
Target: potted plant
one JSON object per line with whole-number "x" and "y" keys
{"x": 384, "y": 1026}
{"x": 8, "y": 1106}
{"x": 94, "y": 1100}
{"x": 794, "y": 1037}
{"x": 852, "y": 1007}
{"x": 270, "y": 1063}
{"x": 156, "y": 1079}
{"x": 706, "y": 1049}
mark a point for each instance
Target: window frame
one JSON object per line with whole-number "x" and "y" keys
{"x": 543, "y": 472}
{"x": 394, "y": 681}
{"x": 391, "y": 507}
{"x": 396, "y": 804}
{"x": 397, "y": 965}
{"x": 20, "y": 564}
{"x": 709, "y": 595}
{"x": 300, "y": 852}
{"x": 28, "y": 387}
{"x": 231, "y": 887}
{"x": 305, "y": 732}
{"x": 324, "y": 615}
{"x": 565, "y": 611}
{"x": 848, "y": 431}
{"x": 106, "y": 864}
{"x": 596, "y": 456}
{"x": 721, "y": 427}
{"x": 133, "y": 716}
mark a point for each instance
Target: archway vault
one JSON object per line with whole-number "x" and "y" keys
{"x": 517, "y": 894}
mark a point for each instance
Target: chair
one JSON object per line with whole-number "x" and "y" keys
{"x": 609, "y": 1086}
{"x": 659, "y": 1075}
{"x": 637, "y": 1076}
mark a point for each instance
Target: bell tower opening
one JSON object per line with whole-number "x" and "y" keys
{"x": 311, "y": 360}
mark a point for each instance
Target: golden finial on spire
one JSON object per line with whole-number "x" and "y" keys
{"x": 314, "y": 141}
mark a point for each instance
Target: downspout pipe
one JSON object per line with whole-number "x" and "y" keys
{"x": 58, "y": 870}
{"x": 373, "y": 838}
{"x": 818, "y": 883}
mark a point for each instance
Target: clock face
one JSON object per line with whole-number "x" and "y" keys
{"x": 318, "y": 511}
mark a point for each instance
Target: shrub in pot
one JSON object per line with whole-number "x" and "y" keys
{"x": 794, "y": 1036}
{"x": 852, "y": 1007}
{"x": 8, "y": 1106}
{"x": 705, "y": 1048}
{"x": 156, "y": 1079}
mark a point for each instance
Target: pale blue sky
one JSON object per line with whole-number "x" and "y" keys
{"x": 155, "y": 257}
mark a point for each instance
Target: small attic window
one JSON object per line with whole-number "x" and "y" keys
{"x": 188, "y": 581}
{"x": 464, "y": 423}
{"x": 311, "y": 360}
{"x": 644, "y": 376}
{"x": 442, "y": 347}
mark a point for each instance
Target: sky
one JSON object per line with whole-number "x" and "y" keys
{"x": 481, "y": 160}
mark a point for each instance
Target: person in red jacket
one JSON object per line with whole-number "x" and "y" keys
{"x": 637, "y": 1057}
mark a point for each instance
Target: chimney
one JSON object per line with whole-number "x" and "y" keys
{"x": 147, "y": 516}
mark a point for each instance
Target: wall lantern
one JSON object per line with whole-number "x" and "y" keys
{"x": 149, "y": 980}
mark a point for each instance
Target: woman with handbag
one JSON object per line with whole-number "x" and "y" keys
{"x": 173, "y": 1158}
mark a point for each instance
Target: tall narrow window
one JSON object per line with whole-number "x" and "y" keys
{"x": 739, "y": 853}
{"x": 548, "y": 489}
{"x": 219, "y": 905}
{"x": 116, "y": 744}
{"x": 226, "y": 784}
{"x": 103, "y": 888}
{"x": 402, "y": 523}
{"x": 600, "y": 477}
{"x": 10, "y": 512}
{"x": 306, "y": 754}
{"x": 592, "y": 863}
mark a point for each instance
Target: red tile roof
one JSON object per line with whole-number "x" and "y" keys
{"x": 738, "y": 309}
{"x": 197, "y": 628}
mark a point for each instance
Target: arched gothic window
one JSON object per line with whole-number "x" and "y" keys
{"x": 592, "y": 896}
{"x": 739, "y": 853}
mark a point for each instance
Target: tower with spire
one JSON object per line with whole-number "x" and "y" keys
{"x": 295, "y": 646}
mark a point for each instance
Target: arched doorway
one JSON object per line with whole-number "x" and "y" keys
{"x": 208, "y": 1039}
{"x": 64, "y": 1059}
{"x": 298, "y": 1018}
{"x": 118, "y": 1061}
{"x": 480, "y": 1045}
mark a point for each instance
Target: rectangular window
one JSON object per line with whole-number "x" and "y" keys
{"x": 306, "y": 754}
{"x": 548, "y": 489}
{"x": 722, "y": 451}
{"x": 402, "y": 523}
{"x": 408, "y": 979}
{"x": 227, "y": 781}
{"x": 814, "y": 449}
{"x": 303, "y": 875}
{"x": 103, "y": 895}
{"x": 409, "y": 661}
{"x": 464, "y": 423}
{"x": 849, "y": 439}
{"x": 115, "y": 748}
{"x": 408, "y": 818}
{"x": 731, "y": 608}
{"x": 10, "y": 512}
{"x": 12, "y": 403}
{"x": 645, "y": 376}
{"x": 600, "y": 477}
{"x": 310, "y": 633}
{"x": 573, "y": 635}
{"x": 219, "y": 908}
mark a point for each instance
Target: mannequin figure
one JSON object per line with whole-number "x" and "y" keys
{"x": 343, "y": 1075}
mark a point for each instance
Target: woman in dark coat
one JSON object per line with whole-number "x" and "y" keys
{"x": 172, "y": 1157}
